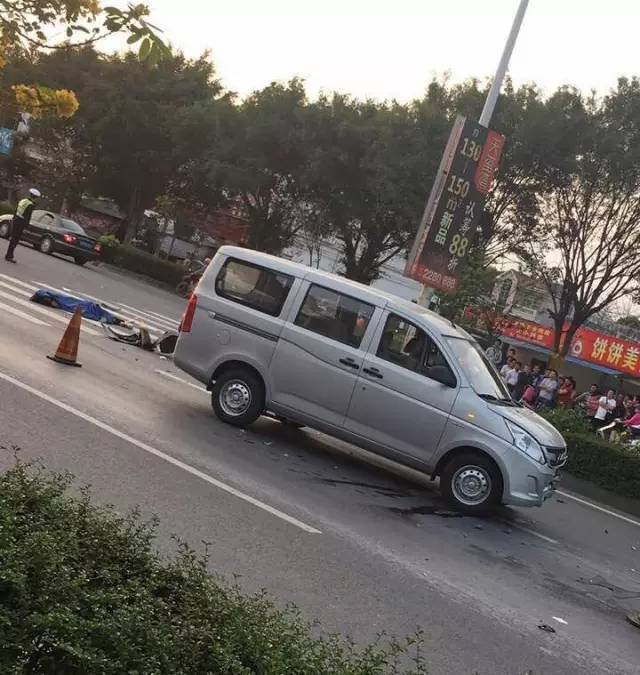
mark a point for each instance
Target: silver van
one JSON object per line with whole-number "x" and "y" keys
{"x": 314, "y": 349}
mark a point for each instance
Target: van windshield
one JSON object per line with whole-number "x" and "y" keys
{"x": 482, "y": 376}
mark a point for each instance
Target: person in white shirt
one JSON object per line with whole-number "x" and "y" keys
{"x": 512, "y": 376}
{"x": 508, "y": 366}
{"x": 606, "y": 406}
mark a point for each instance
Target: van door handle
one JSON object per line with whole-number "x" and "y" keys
{"x": 374, "y": 372}
{"x": 349, "y": 362}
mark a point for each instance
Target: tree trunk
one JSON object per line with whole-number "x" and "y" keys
{"x": 134, "y": 215}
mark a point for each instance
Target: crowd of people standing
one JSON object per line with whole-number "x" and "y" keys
{"x": 539, "y": 390}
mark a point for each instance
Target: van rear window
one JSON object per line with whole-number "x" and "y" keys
{"x": 253, "y": 286}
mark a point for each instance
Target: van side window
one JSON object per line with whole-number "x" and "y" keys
{"x": 409, "y": 347}
{"x": 334, "y": 315}
{"x": 253, "y": 286}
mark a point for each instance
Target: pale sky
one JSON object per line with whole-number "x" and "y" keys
{"x": 391, "y": 48}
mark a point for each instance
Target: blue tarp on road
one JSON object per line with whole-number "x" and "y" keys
{"x": 90, "y": 310}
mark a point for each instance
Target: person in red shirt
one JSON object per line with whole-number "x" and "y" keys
{"x": 633, "y": 423}
{"x": 589, "y": 401}
{"x": 565, "y": 393}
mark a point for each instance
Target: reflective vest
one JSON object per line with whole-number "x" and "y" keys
{"x": 23, "y": 205}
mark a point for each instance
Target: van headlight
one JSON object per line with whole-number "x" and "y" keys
{"x": 526, "y": 443}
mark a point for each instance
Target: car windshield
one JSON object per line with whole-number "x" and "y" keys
{"x": 482, "y": 376}
{"x": 71, "y": 225}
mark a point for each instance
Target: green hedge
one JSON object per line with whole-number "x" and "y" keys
{"x": 83, "y": 591}
{"x": 6, "y": 207}
{"x": 613, "y": 466}
{"x": 134, "y": 259}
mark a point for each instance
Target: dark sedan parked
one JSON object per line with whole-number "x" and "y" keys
{"x": 52, "y": 233}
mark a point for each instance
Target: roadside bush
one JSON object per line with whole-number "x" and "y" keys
{"x": 135, "y": 260}
{"x": 83, "y": 591}
{"x": 5, "y": 207}
{"x": 566, "y": 420}
{"x": 109, "y": 244}
{"x": 613, "y": 466}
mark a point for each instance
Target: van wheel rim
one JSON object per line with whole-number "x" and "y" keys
{"x": 471, "y": 485}
{"x": 235, "y": 398}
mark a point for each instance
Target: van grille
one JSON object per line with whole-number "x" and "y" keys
{"x": 557, "y": 457}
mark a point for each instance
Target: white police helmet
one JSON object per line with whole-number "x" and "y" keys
{"x": 35, "y": 193}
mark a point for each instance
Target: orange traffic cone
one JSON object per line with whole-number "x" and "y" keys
{"x": 67, "y": 351}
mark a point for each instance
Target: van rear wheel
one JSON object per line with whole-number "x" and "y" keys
{"x": 237, "y": 397}
{"x": 471, "y": 483}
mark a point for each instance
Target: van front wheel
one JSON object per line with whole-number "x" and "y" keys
{"x": 471, "y": 483}
{"x": 237, "y": 397}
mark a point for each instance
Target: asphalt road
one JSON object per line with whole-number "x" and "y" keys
{"x": 358, "y": 543}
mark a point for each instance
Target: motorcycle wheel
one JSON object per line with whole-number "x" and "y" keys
{"x": 183, "y": 289}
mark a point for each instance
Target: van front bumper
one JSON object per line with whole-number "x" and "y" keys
{"x": 534, "y": 484}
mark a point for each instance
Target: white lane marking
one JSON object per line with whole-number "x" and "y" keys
{"x": 23, "y": 315}
{"x": 160, "y": 455}
{"x": 528, "y": 530}
{"x": 165, "y": 325}
{"x": 626, "y": 519}
{"x": 161, "y": 316}
{"x": 161, "y": 322}
{"x": 141, "y": 318}
{"x": 560, "y": 620}
{"x": 50, "y": 313}
{"x": 157, "y": 330}
{"x": 135, "y": 316}
{"x": 49, "y": 287}
{"x": 171, "y": 376}
{"x": 84, "y": 295}
{"x": 16, "y": 290}
{"x": 13, "y": 280}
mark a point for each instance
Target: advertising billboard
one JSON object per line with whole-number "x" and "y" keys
{"x": 455, "y": 205}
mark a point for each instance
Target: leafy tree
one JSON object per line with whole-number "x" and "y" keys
{"x": 589, "y": 257}
{"x": 630, "y": 321}
{"x": 367, "y": 176}
{"x": 258, "y": 160}
{"x": 23, "y": 26}
{"x": 473, "y": 305}
{"x": 138, "y": 125}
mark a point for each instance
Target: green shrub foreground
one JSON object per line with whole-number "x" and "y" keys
{"x": 82, "y": 591}
{"x": 613, "y": 466}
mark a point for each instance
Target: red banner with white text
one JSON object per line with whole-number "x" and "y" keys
{"x": 587, "y": 345}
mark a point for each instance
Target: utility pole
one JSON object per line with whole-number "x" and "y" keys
{"x": 496, "y": 85}
{"x": 427, "y": 295}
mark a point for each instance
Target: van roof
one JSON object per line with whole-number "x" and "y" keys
{"x": 390, "y": 301}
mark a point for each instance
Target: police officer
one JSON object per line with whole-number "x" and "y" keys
{"x": 21, "y": 219}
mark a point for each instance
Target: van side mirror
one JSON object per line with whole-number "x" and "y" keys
{"x": 443, "y": 375}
